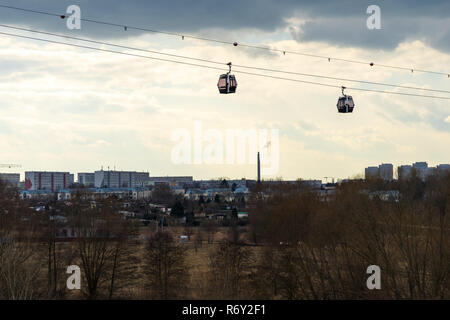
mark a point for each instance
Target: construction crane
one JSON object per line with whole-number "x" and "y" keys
{"x": 9, "y": 166}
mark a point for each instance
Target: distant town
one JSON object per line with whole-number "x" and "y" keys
{"x": 385, "y": 171}
{"x": 257, "y": 234}
{"x": 138, "y": 185}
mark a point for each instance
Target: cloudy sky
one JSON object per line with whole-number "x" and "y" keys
{"x": 74, "y": 109}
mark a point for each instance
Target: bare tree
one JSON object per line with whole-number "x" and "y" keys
{"x": 230, "y": 268}
{"x": 123, "y": 263}
{"x": 166, "y": 270}
{"x": 198, "y": 241}
{"x": 19, "y": 264}
{"x": 210, "y": 227}
{"x": 97, "y": 232}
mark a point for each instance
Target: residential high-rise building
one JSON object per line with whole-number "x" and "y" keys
{"x": 440, "y": 169}
{"x": 443, "y": 168}
{"x": 120, "y": 179}
{"x": 371, "y": 173}
{"x": 172, "y": 181}
{"x": 386, "y": 171}
{"x": 421, "y": 169}
{"x": 87, "y": 179}
{"x": 404, "y": 172}
{"x": 431, "y": 171}
{"x": 43, "y": 180}
{"x": 11, "y": 178}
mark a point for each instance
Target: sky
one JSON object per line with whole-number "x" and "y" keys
{"x": 78, "y": 110}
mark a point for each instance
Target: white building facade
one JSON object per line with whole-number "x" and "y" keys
{"x": 120, "y": 179}
{"x": 87, "y": 179}
{"x": 43, "y": 180}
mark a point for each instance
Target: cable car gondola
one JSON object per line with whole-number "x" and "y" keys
{"x": 227, "y": 82}
{"x": 345, "y": 103}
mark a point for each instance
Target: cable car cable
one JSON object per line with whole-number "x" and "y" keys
{"x": 217, "y": 68}
{"x": 221, "y": 63}
{"x": 128, "y": 27}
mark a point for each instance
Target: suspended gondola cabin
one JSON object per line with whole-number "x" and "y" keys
{"x": 227, "y": 82}
{"x": 345, "y": 103}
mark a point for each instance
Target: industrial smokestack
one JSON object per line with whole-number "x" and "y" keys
{"x": 259, "y": 169}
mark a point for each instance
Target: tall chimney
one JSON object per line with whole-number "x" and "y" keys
{"x": 259, "y": 169}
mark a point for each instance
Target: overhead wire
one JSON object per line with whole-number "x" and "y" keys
{"x": 221, "y": 63}
{"x": 183, "y": 36}
{"x": 217, "y": 68}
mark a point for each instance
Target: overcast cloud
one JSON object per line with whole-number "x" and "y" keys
{"x": 66, "y": 108}
{"x": 338, "y": 22}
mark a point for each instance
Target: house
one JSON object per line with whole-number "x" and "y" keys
{"x": 136, "y": 193}
{"x": 242, "y": 215}
{"x": 36, "y": 194}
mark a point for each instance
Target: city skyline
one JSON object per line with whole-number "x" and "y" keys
{"x": 373, "y": 170}
{"x": 75, "y": 109}
{"x": 225, "y": 158}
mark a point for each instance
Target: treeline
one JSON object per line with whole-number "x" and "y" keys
{"x": 33, "y": 262}
{"x": 119, "y": 258}
{"x": 318, "y": 249}
{"x": 299, "y": 245}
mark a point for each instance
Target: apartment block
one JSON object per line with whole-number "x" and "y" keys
{"x": 43, "y": 180}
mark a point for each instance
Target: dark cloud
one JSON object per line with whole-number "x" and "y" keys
{"x": 353, "y": 32}
{"x": 338, "y": 22}
{"x": 344, "y": 23}
{"x": 175, "y": 15}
